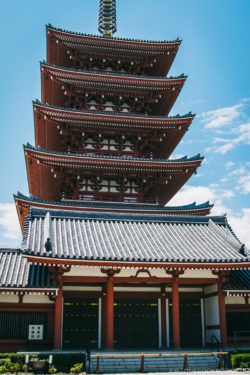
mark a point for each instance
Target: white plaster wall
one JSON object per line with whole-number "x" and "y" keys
{"x": 212, "y": 317}
{"x": 9, "y": 298}
{"x": 83, "y": 288}
{"x": 127, "y": 272}
{"x": 84, "y": 271}
{"x": 198, "y": 274}
{"x": 211, "y": 289}
{"x": 33, "y": 298}
{"x": 136, "y": 289}
{"x": 234, "y": 300}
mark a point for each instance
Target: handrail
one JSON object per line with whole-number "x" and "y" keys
{"x": 142, "y": 355}
{"x": 214, "y": 338}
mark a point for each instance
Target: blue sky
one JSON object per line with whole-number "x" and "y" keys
{"x": 215, "y": 54}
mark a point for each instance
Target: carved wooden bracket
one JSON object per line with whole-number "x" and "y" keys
{"x": 223, "y": 275}
{"x": 175, "y": 273}
{"x": 144, "y": 270}
{"x": 110, "y": 272}
{"x": 57, "y": 274}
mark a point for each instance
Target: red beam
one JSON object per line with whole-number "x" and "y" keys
{"x": 119, "y": 264}
{"x": 136, "y": 280}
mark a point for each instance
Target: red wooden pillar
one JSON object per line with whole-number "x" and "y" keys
{"x": 163, "y": 317}
{"x": 110, "y": 312}
{"x": 176, "y": 312}
{"x": 222, "y": 310}
{"x": 58, "y": 320}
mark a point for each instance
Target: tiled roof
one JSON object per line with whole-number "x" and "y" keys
{"x": 16, "y": 272}
{"x": 14, "y": 269}
{"x": 238, "y": 280}
{"x": 70, "y": 35}
{"x": 93, "y": 236}
{"x": 125, "y": 116}
{"x": 183, "y": 159}
{"x": 66, "y": 72}
{"x": 117, "y": 205}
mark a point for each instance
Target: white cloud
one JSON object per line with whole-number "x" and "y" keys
{"x": 189, "y": 194}
{"x": 229, "y": 164}
{"x": 233, "y": 122}
{"x": 201, "y": 194}
{"x": 241, "y": 225}
{"x": 221, "y": 117}
{"x": 244, "y": 184}
{"x": 10, "y": 234}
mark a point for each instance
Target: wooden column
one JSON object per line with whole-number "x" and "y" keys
{"x": 176, "y": 312}
{"x": 58, "y": 320}
{"x": 222, "y": 310}
{"x": 109, "y": 326}
{"x": 175, "y": 307}
{"x": 223, "y": 276}
{"x": 163, "y": 317}
{"x": 110, "y": 313}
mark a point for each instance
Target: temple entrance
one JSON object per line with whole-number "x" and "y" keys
{"x": 80, "y": 323}
{"x": 136, "y": 323}
{"x": 190, "y": 322}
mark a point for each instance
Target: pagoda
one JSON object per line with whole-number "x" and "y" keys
{"x": 102, "y": 251}
{"x": 103, "y": 137}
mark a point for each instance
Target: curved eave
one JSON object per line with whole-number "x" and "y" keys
{"x": 73, "y": 75}
{"x": 60, "y": 43}
{"x": 128, "y": 43}
{"x": 24, "y": 204}
{"x": 65, "y": 115}
{"x": 143, "y": 264}
{"x": 107, "y": 161}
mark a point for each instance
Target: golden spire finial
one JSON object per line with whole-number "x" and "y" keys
{"x": 107, "y": 17}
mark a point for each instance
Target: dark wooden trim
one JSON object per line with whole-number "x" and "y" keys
{"x": 213, "y": 326}
{"x": 237, "y": 308}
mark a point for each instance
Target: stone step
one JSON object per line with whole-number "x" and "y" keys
{"x": 153, "y": 364}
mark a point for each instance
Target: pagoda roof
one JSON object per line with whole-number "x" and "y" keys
{"x": 76, "y": 37}
{"x": 118, "y": 205}
{"x": 17, "y": 272}
{"x": 78, "y": 76}
{"x": 133, "y": 239}
{"x": 161, "y": 53}
{"x": 24, "y": 203}
{"x": 107, "y": 160}
{"x": 62, "y": 114}
{"x": 78, "y": 82}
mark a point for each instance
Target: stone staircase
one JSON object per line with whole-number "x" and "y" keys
{"x": 132, "y": 363}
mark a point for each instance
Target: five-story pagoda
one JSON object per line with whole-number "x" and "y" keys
{"x": 102, "y": 131}
{"x": 115, "y": 266}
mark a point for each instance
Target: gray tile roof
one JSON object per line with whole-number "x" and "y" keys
{"x": 131, "y": 237}
{"x": 17, "y": 272}
{"x": 14, "y": 268}
{"x": 238, "y": 280}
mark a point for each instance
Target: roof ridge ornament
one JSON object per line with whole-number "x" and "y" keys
{"x": 107, "y": 17}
